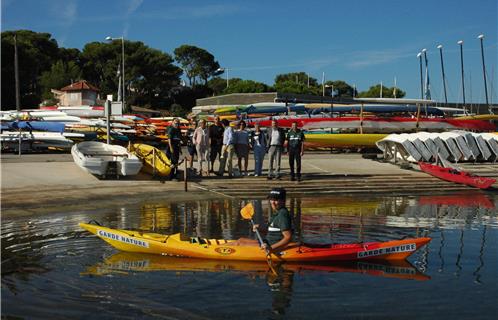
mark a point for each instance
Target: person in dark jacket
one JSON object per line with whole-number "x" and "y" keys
{"x": 215, "y": 142}
{"x": 258, "y": 145}
{"x": 174, "y": 145}
{"x": 295, "y": 146}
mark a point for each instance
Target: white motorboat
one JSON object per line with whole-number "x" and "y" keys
{"x": 103, "y": 159}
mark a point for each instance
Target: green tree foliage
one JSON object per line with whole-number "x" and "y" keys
{"x": 70, "y": 55}
{"x": 297, "y": 88}
{"x": 149, "y": 73}
{"x": 297, "y": 77}
{"x": 217, "y": 85}
{"x": 36, "y": 54}
{"x": 237, "y": 85}
{"x": 198, "y": 64}
{"x": 60, "y": 75}
{"x": 151, "y": 78}
{"x": 341, "y": 89}
{"x": 297, "y": 83}
{"x": 374, "y": 92}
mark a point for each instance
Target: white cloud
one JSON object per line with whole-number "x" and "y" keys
{"x": 66, "y": 12}
{"x": 133, "y": 6}
{"x": 370, "y": 58}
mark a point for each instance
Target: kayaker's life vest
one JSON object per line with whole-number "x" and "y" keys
{"x": 279, "y": 221}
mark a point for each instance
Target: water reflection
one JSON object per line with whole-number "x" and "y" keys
{"x": 37, "y": 250}
{"x": 280, "y": 284}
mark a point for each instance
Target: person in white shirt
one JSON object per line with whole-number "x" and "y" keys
{"x": 227, "y": 150}
{"x": 201, "y": 142}
{"x": 276, "y": 137}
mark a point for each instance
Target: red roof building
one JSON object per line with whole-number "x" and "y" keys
{"x": 77, "y": 94}
{"x": 80, "y": 86}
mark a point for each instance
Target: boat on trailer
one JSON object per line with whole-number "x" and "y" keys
{"x": 103, "y": 159}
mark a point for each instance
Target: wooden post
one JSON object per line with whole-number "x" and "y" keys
{"x": 107, "y": 105}
{"x": 395, "y": 152}
{"x": 360, "y": 229}
{"x": 361, "y": 118}
{"x": 154, "y": 162}
{"x": 185, "y": 174}
{"x": 418, "y": 117}
{"x": 20, "y": 141}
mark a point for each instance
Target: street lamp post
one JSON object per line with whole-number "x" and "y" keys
{"x": 461, "y": 63}
{"x": 440, "y": 47}
{"x": 331, "y": 86}
{"x": 481, "y": 37}
{"x": 221, "y": 70}
{"x": 123, "y": 103}
{"x": 419, "y": 56}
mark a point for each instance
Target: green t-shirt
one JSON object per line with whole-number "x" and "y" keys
{"x": 279, "y": 221}
{"x": 295, "y": 139}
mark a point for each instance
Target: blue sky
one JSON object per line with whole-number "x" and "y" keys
{"x": 359, "y": 41}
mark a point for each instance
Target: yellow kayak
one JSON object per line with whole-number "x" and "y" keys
{"x": 343, "y": 139}
{"x": 155, "y": 161}
{"x": 221, "y": 249}
{"x": 479, "y": 117}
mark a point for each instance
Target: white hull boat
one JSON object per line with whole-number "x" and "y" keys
{"x": 100, "y": 159}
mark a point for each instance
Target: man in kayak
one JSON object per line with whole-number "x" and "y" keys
{"x": 279, "y": 232}
{"x": 280, "y": 223}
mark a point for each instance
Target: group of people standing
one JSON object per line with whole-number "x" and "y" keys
{"x": 224, "y": 140}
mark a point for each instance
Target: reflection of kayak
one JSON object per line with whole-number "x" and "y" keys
{"x": 339, "y": 205}
{"x": 457, "y": 176}
{"x": 136, "y": 241}
{"x": 155, "y": 161}
{"x": 137, "y": 262}
{"x": 460, "y": 200}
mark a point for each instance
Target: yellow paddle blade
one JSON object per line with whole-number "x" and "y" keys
{"x": 247, "y": 212}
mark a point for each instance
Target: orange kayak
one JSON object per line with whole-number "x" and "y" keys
{"x": 219, "y": 249}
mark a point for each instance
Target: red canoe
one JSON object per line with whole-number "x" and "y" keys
{"x": 457, "y": 176}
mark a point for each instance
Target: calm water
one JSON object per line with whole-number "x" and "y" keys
{"x": 50, "y": 269}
